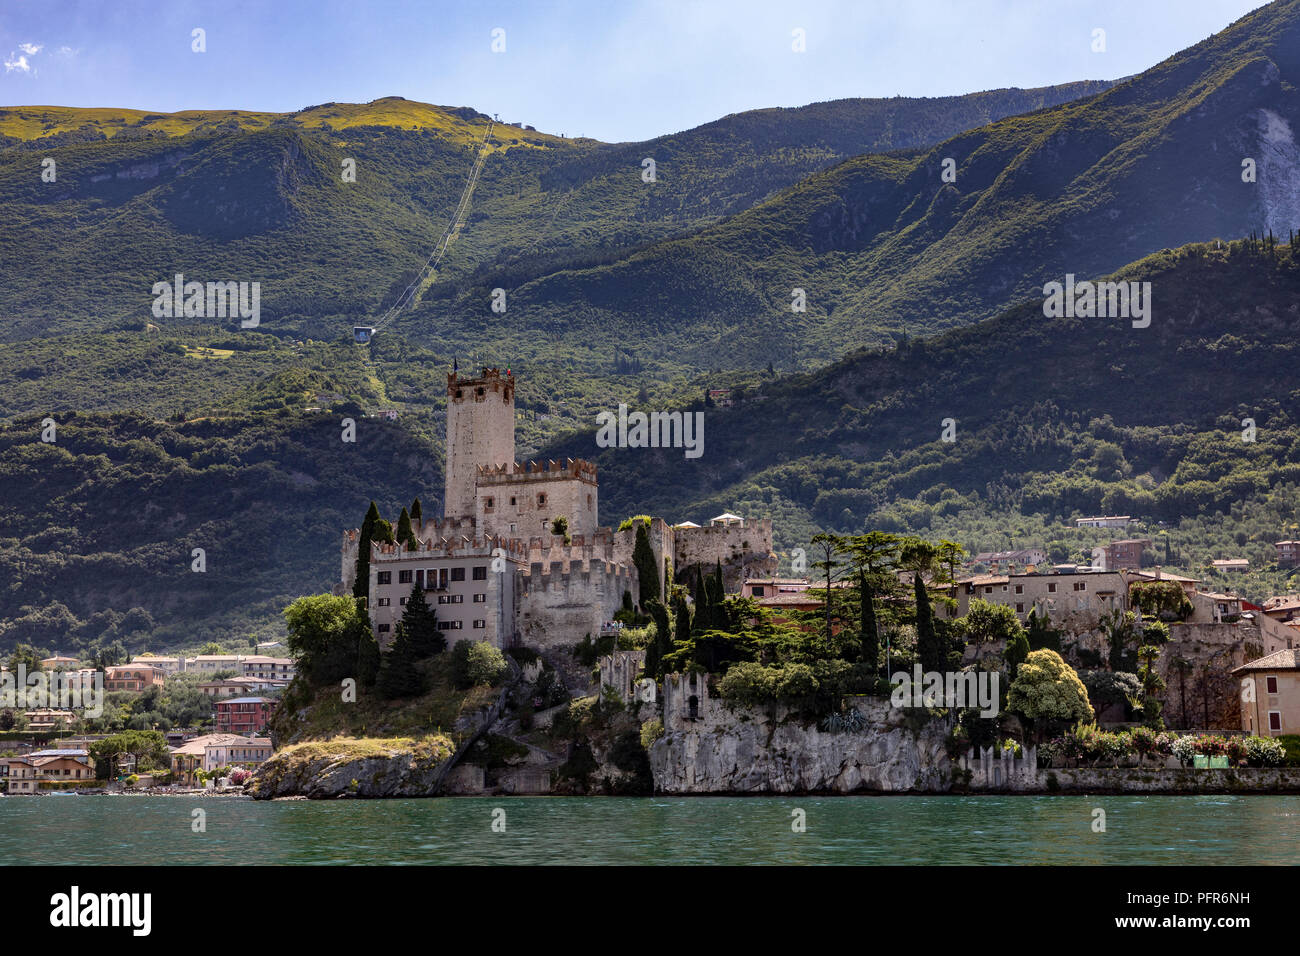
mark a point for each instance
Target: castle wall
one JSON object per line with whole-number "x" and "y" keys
{"x": 518, "y": 500}
{"x": 480, "y": 432}
{"x": 562, "y": 602}
{"x": 739, "y": 548}
{"x": 661, "y": 543}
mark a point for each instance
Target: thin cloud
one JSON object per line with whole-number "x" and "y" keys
{"x": 31, "y": 49}
{"x": 18, "y": 63}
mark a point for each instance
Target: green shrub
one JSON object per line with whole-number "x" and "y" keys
{"x": 486, "y": 664}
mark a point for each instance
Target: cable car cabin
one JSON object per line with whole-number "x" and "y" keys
{"x": 361, "y": 334}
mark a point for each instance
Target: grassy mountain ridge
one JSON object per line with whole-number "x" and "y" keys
{"x": 260, "y": 197}
{"x": 882, "y": 245}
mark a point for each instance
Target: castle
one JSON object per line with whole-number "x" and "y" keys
{"x": 491, "y": 566}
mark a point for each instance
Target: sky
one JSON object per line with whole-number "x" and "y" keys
{"x": 615, "y": 70}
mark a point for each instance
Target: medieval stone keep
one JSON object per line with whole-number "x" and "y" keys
{"x": 491, "y": 566}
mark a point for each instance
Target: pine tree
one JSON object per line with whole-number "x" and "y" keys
{"x": 397, "y": 674}
{"x": 929, "y": 648}
{"x": 416, "y": 513}
{"x": 420, "y": 624}
{"x": 361, "y": 587}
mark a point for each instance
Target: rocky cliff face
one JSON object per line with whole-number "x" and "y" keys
{"x": 352, "y": 768}
{"x": 746, "y": 751}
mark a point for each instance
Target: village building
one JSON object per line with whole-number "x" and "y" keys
{"x": 1103, "y": 521}
{"x": 214, "y": 663}
{"x": 762, "y": 588}
{"x": 243, "y": 715}
{"x": 46, "y": 719}
{"x": 135, "y": 677}
{"x": 1018, "y": 559}
{"x": 168, "y": 665}
{"x": 267, "y": 668}
{"x": 1231, "y": 564}
{"x": 60, "y": 663}
{"x": 211, "y": 751}
{"x": 1074, "y": 599}
{"x": 1123, "y": 555}
{"x": 1270, "y": 698}
{"x": 1288, "y": 553}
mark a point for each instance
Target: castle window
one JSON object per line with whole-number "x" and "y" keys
{"x": 1020, "y": 589}
{"x": 383, "y": 628}
{"x": 588, "y": 502}
{"x": 758, "y": 590}
{"x": 488, "y": 504}
{"x": 480, "y": 623}
{"x": 459, "y": 393}
{"x": 541, "y": 500}
{"x": 480, "y": 572}
{"x": 1270, "y": 683}
{"x": 1020, "y": 609}
{"x": 403, "y": 577}
{"x": 480, "y": 598}
{"x": 458, "y": 574}
{"x": 480, "y": 392}
{"x": 384, "y": 602}
{"x": 1051, "y": 589}
{"x": 402, "y": 601}
{"x": 385, "y": 577}
{"x": 512, "y": 504}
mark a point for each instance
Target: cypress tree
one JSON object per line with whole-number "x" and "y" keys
{"x": 420, "y": 625}
{"x": 647, "y": 567}
{"x": 361, "y": 588}
{"x": 703, "y": 610}
{"x": 416, "y": 513}
{"x": 663, "y": 633}
{"x": 367, "y": 650}
{"x": 928, "y": 646}
{"x": 404, "y": 532}
{"x": 869, "y": 642}
{"x": 682, "y": 613}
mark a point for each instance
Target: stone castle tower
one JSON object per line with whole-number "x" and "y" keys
{"x": 480, "y": 432}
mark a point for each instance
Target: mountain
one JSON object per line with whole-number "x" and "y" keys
{"x": 1053, "y": 418}
{"x": 261, "y": 197}
{"x": 882, "y": 245}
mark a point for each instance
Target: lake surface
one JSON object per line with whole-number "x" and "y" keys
{"x": 1155, "y": 830}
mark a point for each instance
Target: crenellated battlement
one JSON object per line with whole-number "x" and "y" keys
{"x": 459, "y": 546}
{"x": 533, "y": 471}
{"x": 460, "y": 387}
{"x": 578, "y": 574}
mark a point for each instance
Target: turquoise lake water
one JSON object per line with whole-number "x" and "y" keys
{"x": 1155, "y": 830}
